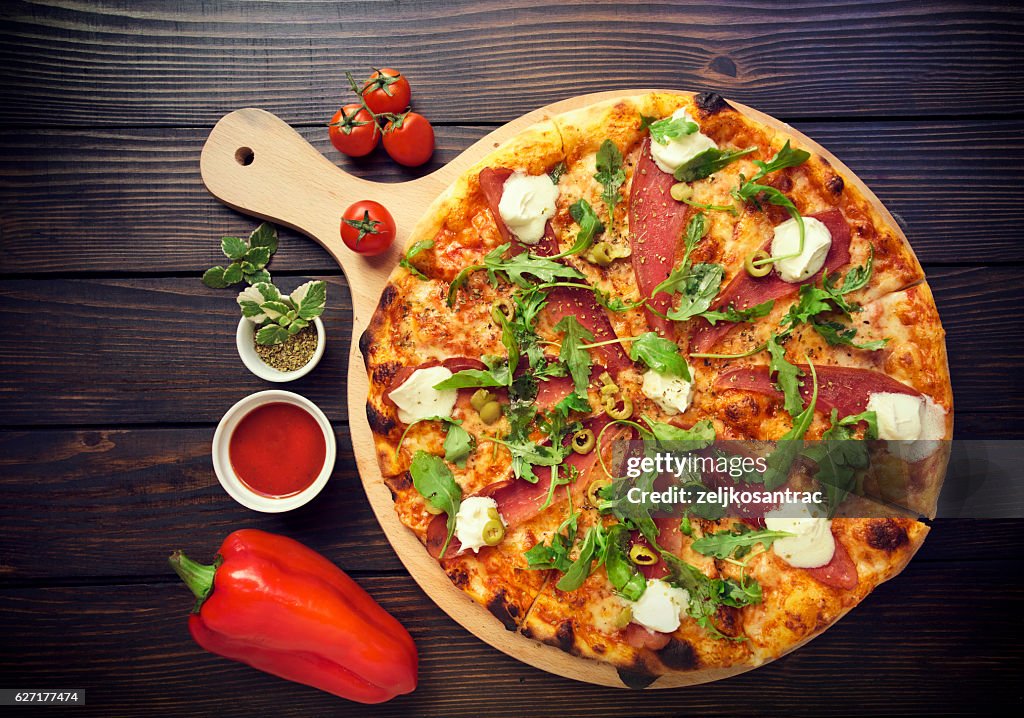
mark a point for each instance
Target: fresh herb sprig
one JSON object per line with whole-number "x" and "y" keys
{"x": 668, "y": 128}
{"x": 277, "y": 316}
{"x": 414, "y": 251}
{"x": 434, "y": 481}
{"x": 514, "y": 269}
{"x": 708, "y": 162}
{"x": 839, "y": 456}
{"x": 611, "y": 174}
{"x": 735, "y": 543}
{"x": 249, "y": 258}
{"x": 751, "y": 191}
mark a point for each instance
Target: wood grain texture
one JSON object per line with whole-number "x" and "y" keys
{"x": 120, "y": 62}
{"x": 129, "y": 648}
{"x": 162, "y": 350}
{"x": 137, "y": 188}
{"x": 130, "y": 496}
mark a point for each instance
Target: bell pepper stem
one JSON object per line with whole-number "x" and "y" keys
{"x": 197, "y": 576}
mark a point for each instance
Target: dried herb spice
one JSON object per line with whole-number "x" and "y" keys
{"x": 292, "y": 354}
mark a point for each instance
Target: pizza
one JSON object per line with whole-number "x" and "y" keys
{"x": 660, "y": 270}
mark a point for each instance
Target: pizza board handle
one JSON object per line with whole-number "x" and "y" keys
{"x": 256, "y": 163}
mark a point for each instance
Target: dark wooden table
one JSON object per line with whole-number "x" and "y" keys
{"x": 117, "y": 362}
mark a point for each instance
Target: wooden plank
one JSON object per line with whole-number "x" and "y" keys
{"x": 148, "y": 63}
{"x": 135, "y": 189}
{"x": 128, "y": 646}
{"x": 127, "y": 497}
{"x": 162, "y": 350}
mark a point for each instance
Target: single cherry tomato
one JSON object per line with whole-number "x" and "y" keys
{"x": 409, "y": 139}
{"x": 387, "y": 90}
{"x": 367, "y": 227}
{"x": 353, "y": 131}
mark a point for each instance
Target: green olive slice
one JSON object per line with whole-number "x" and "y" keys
{"x": 493, "y": 533}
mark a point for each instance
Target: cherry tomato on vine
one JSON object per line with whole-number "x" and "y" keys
{"x": 353, "y": 131}
{"x": 367, "y": 227}
{"x": 387, "y": 90}
{"x": 409, "y": 139}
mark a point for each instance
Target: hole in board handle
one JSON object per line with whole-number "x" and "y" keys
{"x": 244, "y": 156}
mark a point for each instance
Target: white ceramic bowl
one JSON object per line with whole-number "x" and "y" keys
{"x": 247, "y": 351}
{"x": 222, "y": 460}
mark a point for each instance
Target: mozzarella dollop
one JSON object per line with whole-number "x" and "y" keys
{"x": 914, "y": 424}
{"x": 672, "y": 393}
{"x": 812, "y": 545}
{"x": 817, "y": 242}
{"x": 471, "y": 519}
{"x": 527, "y": 203}
{"x": 660, "y": 606}
{"x": 416, "y": 398}
{"x": 680, "y": 150}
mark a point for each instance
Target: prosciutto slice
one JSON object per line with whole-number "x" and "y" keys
{"x": 746, "y": 291}
{"x": 840, "y": 572}
{"x": 640, "y": 637}
{"x": 562, "y": 301}
{"x": 453, "y": 364}
{"x": 519, "y": 501}
{"x": 843, "y": 388}
{"x": 656, "y": 223}
{"x": 492, "y": 184}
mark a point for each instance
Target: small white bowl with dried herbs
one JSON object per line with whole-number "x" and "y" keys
{"x": 281, "y": 337}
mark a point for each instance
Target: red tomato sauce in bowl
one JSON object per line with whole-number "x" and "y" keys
{"x": 277, "y": 449}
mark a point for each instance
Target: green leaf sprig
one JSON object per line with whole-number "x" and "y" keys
{"x": 412, "y": 253}
{"x": 434, "y": 481}
{"x": 736, "y": 543}
{"x": 279, "y": 317}
{"x": 668, "y": 128}
{"x": 660, "y": 354}
{"x": 751, "y": 191}
{"x": 611, "y": 175}
{"x": 708, "y": 162}
{"x": 515, "y": 270}
{"x": 249, "y": 258}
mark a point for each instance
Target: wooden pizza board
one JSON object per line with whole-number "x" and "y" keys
{"x": 255, "y": 163}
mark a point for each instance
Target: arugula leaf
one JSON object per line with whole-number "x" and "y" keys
{"x": 708, "y": 162}
{"x": 667, "y": 128}
{"x": 707, "y": 594}
{"x": 458, "y": 443}
{"x": 414, "y": 250}
{"x": 611, "y": 175}
{"x": 590, "y": 226}
{"x": 732, "y": 314}
{"x": 700, "y": 288}
{"x": 526, "y": 454}
{"x": 787, "y": 376}
{"x": 839, "y": 455}
{"x": 615, "y": 500}
{"x": 699, "y": 436}
{"x": 571, "y": 353}
{"x": 790, "y": 444}
{"x": 622, "y": 573}
{"x": 557, "y": 171}
{"x": 813, "y": 301}
{"x": 696, "y": 228}
{"x": 836, "y": 334}
{"x": 786, "y": 157}
{"x": 514, "y": 270}
{"x": 660, "y": 354}
{"x": 725, "y": 544}
{"x": 592, "y": 548}
{"x": 556, "y": 555}
{"x": 434, "y": 480}
{"x": 496, "y": 375}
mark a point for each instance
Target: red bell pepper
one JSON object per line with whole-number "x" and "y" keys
{"x": 276, "y": 605}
